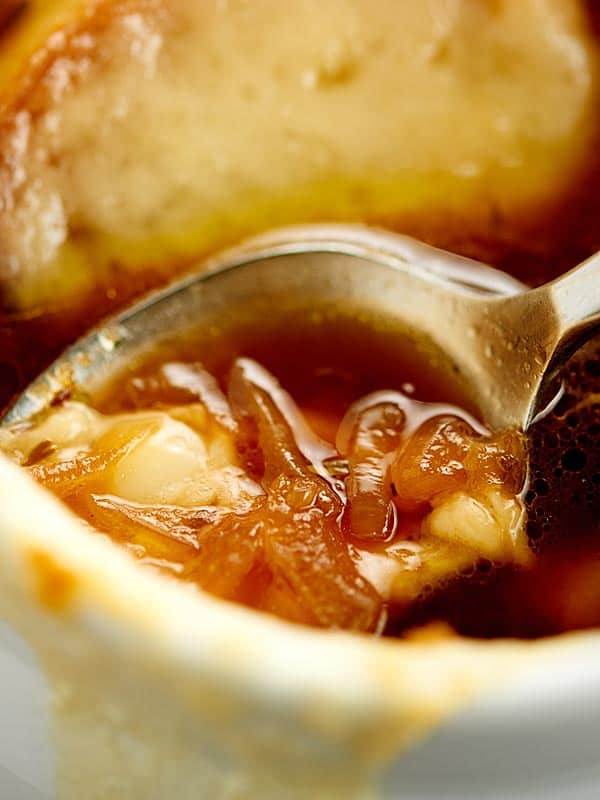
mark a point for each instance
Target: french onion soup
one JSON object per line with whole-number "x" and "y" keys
{"x": 311, "y": 468}
{"x": 314, "y": 467}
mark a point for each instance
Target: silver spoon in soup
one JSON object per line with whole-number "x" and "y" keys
{"x": 503, "y": 344}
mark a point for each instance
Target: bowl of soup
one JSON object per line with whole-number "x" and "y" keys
{"x": 278, "y": 555}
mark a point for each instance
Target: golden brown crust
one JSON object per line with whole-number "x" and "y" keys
{"x": 59, "y": 39}
{"x": 10, "y": 13}
{"x": 55, "y": 585}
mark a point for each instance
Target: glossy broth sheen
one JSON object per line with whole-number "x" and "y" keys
{"x": 325, "y": 359}
{"x": 328, "y": 362}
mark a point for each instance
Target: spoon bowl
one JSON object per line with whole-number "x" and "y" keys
{"x": 476, "y": 325}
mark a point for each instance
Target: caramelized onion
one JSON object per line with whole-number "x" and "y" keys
{"x": 62, "y": 477}
{"x": 177, "y": 522}
{"x": 143, "y": 540}
{"x": 309, "y": 552}
{"x": 283, "y": 439}
{"x": 202, "y": 386}
{"x": 446, "y": 455}
{"x": 431, "y": 461}
{"x": 230, "y": 552}
{"x": 377, "y": 432}
{"x": 313, "y": 573}
{"x": 294, "y": 565}
{"x": 402, "y": 469}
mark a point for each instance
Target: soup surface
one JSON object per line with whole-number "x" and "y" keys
{"x": 315, "y": 468}
{"x": 303, "y": 467}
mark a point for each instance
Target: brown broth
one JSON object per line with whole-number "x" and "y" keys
{"x": 330, "y": 362}
{"x": 326, "y": 360}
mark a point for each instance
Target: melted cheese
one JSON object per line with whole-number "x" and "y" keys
{"x": 452, "y": 538}
{"x": 168, "y": 462}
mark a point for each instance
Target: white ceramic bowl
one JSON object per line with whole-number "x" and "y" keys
{"x": 161, "y": 691}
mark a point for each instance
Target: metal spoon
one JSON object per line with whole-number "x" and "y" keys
{"x": 503, "y": 343}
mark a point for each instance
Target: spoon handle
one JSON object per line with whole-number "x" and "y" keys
{"x": 518, "y": 343}
{"x": 554, "y": 337}
{"x": 576, "y": 297}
